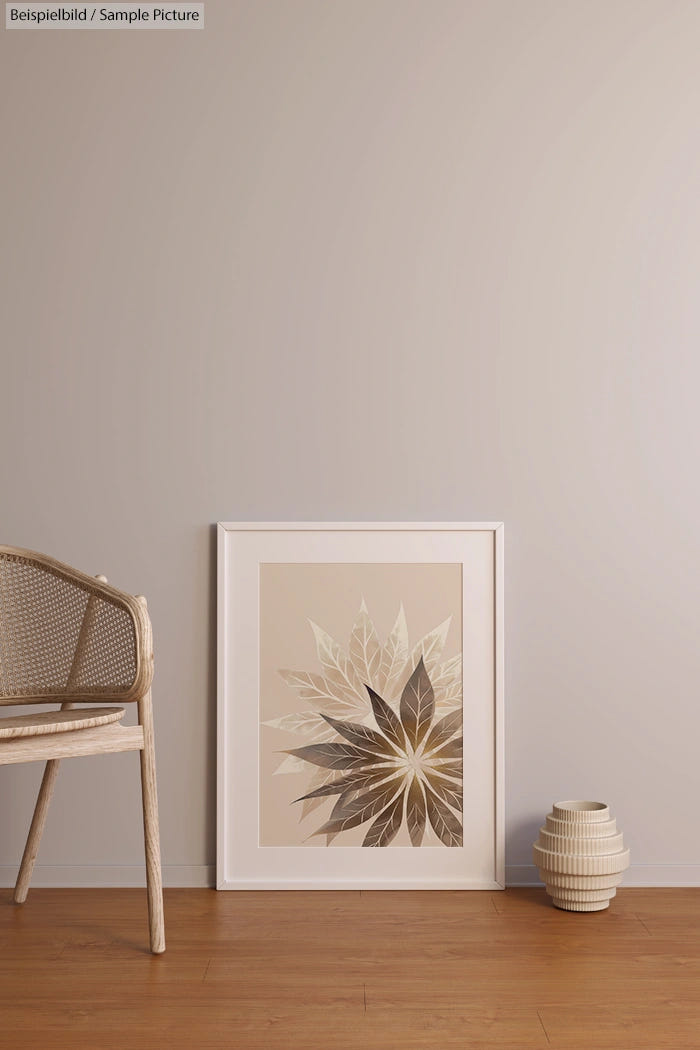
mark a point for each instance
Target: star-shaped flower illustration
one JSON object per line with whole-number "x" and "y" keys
{"x": 362, "y": 691}
{"x": 408, "y": 766}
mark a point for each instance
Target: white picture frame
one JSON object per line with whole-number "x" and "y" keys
{"x": 271, "y": 573}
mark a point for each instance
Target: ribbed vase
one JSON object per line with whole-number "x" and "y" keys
{"x": 580, "y": 856}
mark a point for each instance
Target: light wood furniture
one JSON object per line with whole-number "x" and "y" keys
{"x": 73, "y": 639}
{"x": 351, "y": 970}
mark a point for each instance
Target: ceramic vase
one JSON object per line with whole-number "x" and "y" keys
{"x": 580, "y": 856}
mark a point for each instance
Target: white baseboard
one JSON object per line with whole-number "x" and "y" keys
{"x": 637, "y": 875}
{"x": 204, "y": 875}
{"x": 121, "y": 875}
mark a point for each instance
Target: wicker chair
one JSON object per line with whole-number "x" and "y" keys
{"x": 73, "y": 639}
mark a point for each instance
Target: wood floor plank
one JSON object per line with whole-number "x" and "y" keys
{"x": 655, "y": 1026}
{"x": 348, "y": 970}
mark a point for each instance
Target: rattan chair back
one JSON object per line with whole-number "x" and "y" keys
{"x": 64, "y": 634}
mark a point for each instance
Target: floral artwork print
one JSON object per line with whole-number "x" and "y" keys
{"x": 384, "y": 729}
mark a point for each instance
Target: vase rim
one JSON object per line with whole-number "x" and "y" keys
{"x": 581, "y": 806}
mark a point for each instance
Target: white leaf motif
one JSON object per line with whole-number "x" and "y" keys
{"x": 307, "y": 723}
{"x": 365, "y": 652}
{"x": 316, "y": 690}
{"x": 449, "y": 671}
{"x": 291, "y": 764}
{"x": 430, "y": 647}
{"x": 338, "y": 670}
{"x": 447, "y": 684}
{"x": 394, "y": 657}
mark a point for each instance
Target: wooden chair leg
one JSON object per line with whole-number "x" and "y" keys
{"x": 150, "y": 828}
{"x": 35, "y": 831}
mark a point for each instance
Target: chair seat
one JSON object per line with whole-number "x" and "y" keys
{"x": 58, "y": 721}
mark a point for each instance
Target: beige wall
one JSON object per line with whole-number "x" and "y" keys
{"x": 368, "y": 259}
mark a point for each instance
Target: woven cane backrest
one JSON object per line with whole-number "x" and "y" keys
{"x": 66, "y": 634}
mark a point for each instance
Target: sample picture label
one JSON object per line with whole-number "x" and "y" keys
{"x": 104, "y": 16}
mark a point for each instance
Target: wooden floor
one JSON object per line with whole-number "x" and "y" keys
{"x": 349, "y": 970}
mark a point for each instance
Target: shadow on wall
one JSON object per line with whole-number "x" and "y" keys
{"x": 212, "y": 698}
{"x": 519, "y": 840}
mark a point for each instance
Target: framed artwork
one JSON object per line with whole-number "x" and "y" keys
{"x": 360, "y": 704}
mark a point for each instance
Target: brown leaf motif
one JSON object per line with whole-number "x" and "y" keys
{"x": 415, "y": 812}
{"x": 387, "y": 721}
{"x": 446, "y": 824}
{"x": 386, "y": 826}
{"x": 363, "y": 736}
{"x": 334, "y": 756}
{"x": 417, "y": 705}
{"x": 349, "y": 813}
{"x": 403, "y": 764}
